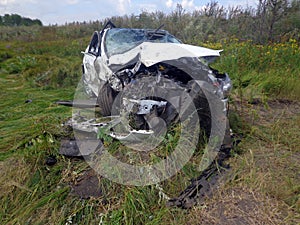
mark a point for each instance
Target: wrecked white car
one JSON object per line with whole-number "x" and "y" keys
{"x": 145, "y": 83}
{"x": 146, "y": 80}
{"x": 118, "y": 58}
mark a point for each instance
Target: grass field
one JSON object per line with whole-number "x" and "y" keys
{"x": 263, "y": 186}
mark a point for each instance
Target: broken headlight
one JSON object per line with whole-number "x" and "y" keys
{"x": 222, "y": 83}
{"x": 226, "y": 85}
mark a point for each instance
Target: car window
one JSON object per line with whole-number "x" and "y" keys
{"x": 94, "y": 44}
{"x": 161, "y": 37}
{"x": 120, "y": 40}
{"x": 172, "y": 39}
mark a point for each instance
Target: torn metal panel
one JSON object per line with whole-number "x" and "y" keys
{"x": 144, "y": 106}
{"x": 152, "y": 53}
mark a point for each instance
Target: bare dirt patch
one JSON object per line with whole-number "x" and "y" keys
{"x": 237, "y": 206}
{"x": 87, "y": 185}
{"x": 258, "y": 112}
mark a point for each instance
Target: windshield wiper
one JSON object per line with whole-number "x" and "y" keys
{"x": 155, "y": 32}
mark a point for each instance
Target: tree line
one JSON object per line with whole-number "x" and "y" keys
{"x": 17, "y": 20}
{"x": 268, "y": 21}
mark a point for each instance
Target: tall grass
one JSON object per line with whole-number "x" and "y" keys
{"x": 272, "y": 70}
{"x": 45, "y": 69}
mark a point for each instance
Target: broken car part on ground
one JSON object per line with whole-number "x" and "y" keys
{"x": 143, "y": 81}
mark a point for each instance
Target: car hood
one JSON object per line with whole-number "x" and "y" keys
{"x": 150, "y": 53}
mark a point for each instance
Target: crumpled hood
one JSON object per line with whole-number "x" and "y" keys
{"x": 151, "y": 53}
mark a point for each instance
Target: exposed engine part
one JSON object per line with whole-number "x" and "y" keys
{"x": 144, "y": 106}
{"x": 115, "y": 83}
{"x": 83, "y": 124}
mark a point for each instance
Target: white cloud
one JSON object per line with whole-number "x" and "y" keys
{"x": 148, "y": 7}
{"x": 169, "y": 3}
{"x": 6, "y": 2}
{"x": 122, "y": 6}
{"x": 19, "y": 2}
{"x": 186, "y": 4}
{"x": 72, "y": 2}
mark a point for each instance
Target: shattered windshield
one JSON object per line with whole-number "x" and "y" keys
{"x": 120, "y": 40}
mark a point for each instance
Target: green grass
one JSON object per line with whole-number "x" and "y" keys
{"x": 270, "y": 160}
{"x": 266, "y": 163}
{"x": 256, "y": 70}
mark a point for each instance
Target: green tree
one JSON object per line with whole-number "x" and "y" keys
{"x": 17, "y": 20}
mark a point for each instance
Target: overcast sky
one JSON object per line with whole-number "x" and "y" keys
{"x": 62, "y": 11}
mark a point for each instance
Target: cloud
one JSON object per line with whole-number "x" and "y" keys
{"x": 122, "y": 6}
{"x": 6, "y": 2}
{"x": 17, "y": 2}
{"x": 72, "y": 2}
{"x": 148, "y": 7}
{"x": 186, "y": 4}
{"x": 169, "y": 3}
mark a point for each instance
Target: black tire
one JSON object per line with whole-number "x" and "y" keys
{"x": 202, "y": 106}
{"x": 105, "y": 99}
{"x": 204, "y": 114}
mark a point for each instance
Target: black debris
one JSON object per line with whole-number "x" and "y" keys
{"x": 51, "y": 160}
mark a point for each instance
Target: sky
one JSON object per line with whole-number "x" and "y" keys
{"x": 59, "y": 12}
